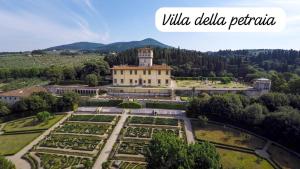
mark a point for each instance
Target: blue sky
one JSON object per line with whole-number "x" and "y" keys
{"x": 38, "y": 24}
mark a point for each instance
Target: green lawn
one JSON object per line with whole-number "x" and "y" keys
{"x": 285, "y": 159}
{"x": 30, "y": 124}
{"x": 11, "y": 144}
{"x": 209, "y": 84}
{"x": 238, "y": 160}
{"x": 226, "y": 135}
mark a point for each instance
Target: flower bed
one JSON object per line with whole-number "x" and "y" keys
{"x": 153, "y": 120}
{"x": 87, "y": 143}
{"x": 140, "y": 132}
{"x": 166, "y": 121}
{"x": 54, "y": 161}
{"x": 92, "y": 118}
{"x": 83, "y": 128}
{"x": 141, "y": 120}
{"x": 131, "y": 165}
{"x": 133, "y": 147}
{"x": 172, "y": 131}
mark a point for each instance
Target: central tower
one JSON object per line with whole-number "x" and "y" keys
{"x": 145, "y": 56}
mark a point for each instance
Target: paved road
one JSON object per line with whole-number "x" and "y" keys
{"x": 17, "y": 158}
{"x": 103, "y": 157}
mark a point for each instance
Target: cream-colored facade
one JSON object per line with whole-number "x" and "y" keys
{"x": 146, "y": 74}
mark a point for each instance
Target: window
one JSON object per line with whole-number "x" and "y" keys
{"x": 121, "y": 72}
{"x": 149, "y": 81}
{"x": 149, "y": 72}
{"x": 167, "y": 81}
{"x": 144, "y": 81}
{"x": 167, "y": 72}
{"x": 115, "y": 72}
{"x": 131, "y": 72}
{"x": 131, "y": 81}
{"x": 135, "y": 72}
{"x": 159, "y": 72}
{"x": 135, "y": 81}
{"x": 158, "y": 81}
{"x": 144, "y": 72}
{"x": 122, "y": 80}
{"x": 115, "y": 80}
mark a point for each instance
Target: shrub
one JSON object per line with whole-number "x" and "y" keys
{"x": 6, "y": 164}
{"x": 43, "y": 116}
{"x": 131, "y": 105}
{"x": 105, "y": 165}
{"x": 166, "y": 106}
{"x": 101, "y": 103}
{"x": 203, "y": 120}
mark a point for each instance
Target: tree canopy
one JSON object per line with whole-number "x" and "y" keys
{"x": 166, "y": 151}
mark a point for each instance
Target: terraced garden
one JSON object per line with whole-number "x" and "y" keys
{"x": 226, "y": 135}
{"x": 74, "y": 144}
{"x": 132, "y": 143}
{"x": 236, "y": 148}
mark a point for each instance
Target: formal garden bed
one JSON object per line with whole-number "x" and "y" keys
{"x": 129, "y": 165}
{"x": 92, "y": 118}
{"x": 133, "y": 141}
{"x": 54, "y": 161}
{"x": 74, "y": 142}
{"x": 153, "y": 121}
{"x": 30, "y": 124}
{"x": 132, "y": 147}
{"x": 83, "y": 128}
{"x": 147, "y": 132}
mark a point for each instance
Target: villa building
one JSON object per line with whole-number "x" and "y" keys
{"x": 146, "y": 74}
{"x": 11, "y": 97}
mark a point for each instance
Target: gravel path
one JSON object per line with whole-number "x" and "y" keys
{"x": 103, "y": 157}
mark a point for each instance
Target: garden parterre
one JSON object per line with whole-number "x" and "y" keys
{"x": 92, "y": 118}
{"x": 134, "y": 139}
{"x": 153, "y": 121}
{"x": 83, "y": 128}
{"x": 74, "y": 144}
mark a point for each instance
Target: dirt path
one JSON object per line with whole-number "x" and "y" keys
{"x": 103, "y": 157}
{"x": 17, "y": 158}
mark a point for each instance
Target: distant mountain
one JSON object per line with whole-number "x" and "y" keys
{"x": 112, "y": 47}
{"x": 121, "y": 46}
{"x": 77, "y": 46}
